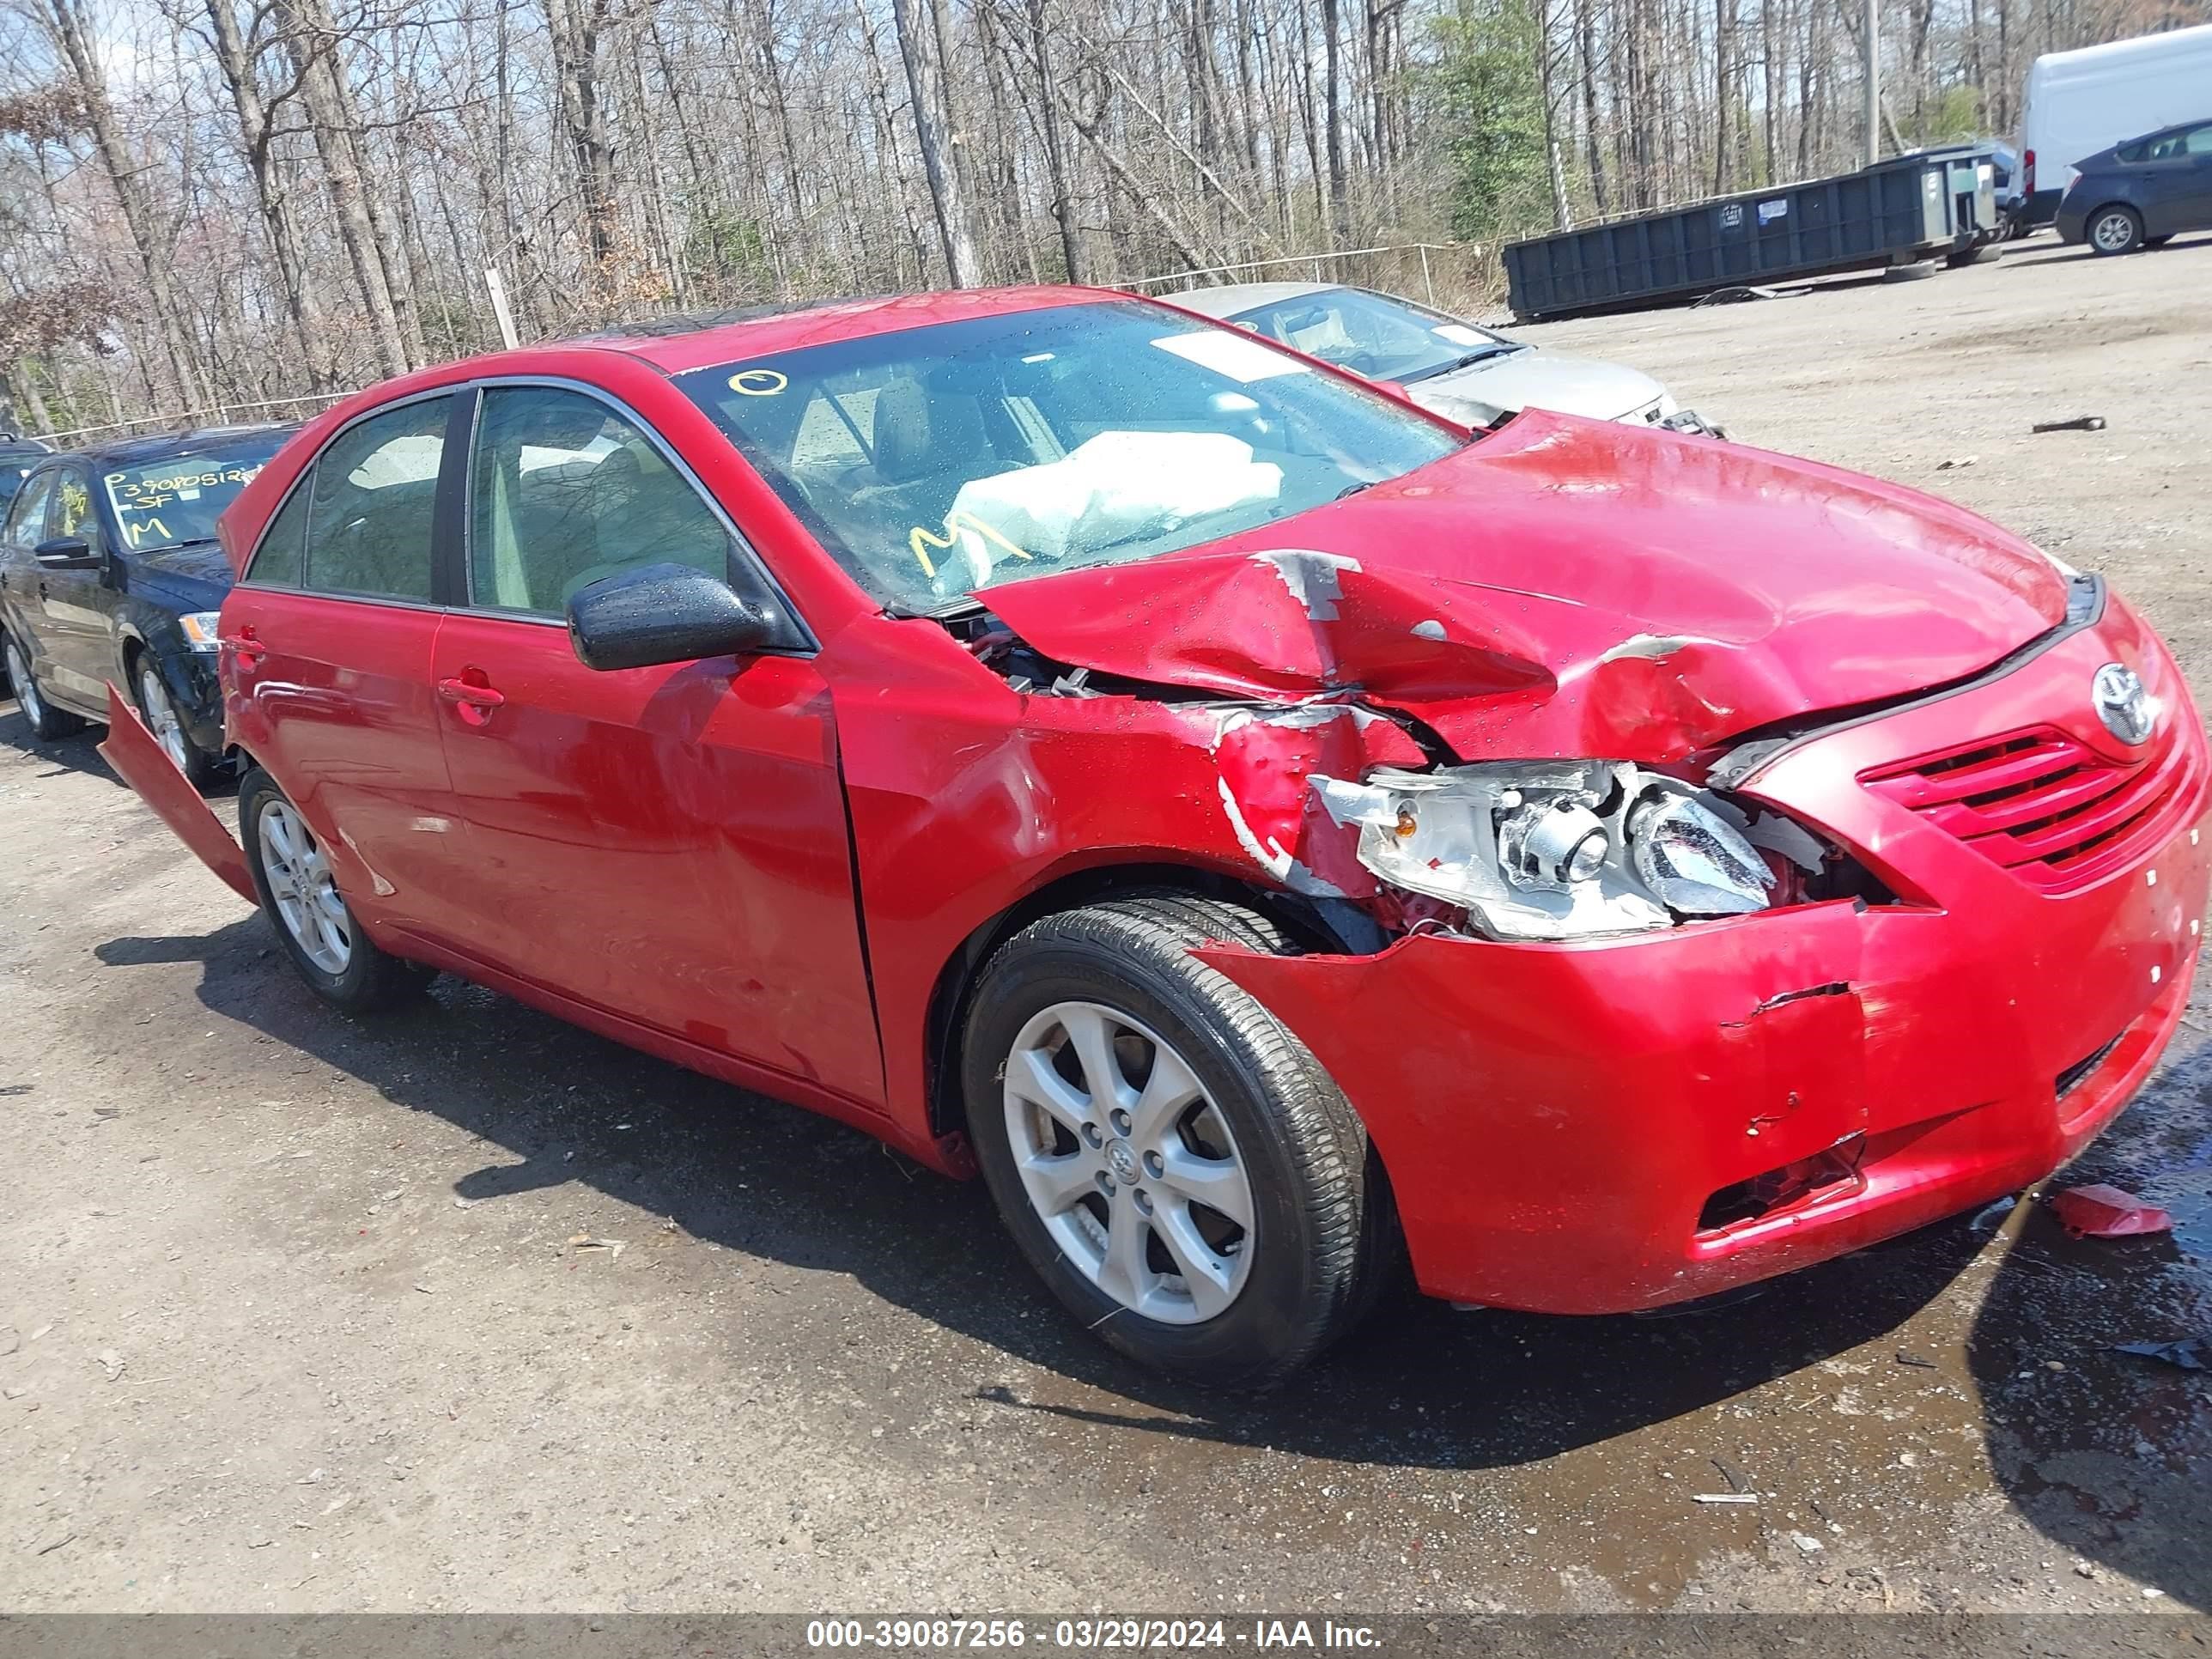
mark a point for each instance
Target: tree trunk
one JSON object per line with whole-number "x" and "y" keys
{"x": 257, "y": 133}
{"x": 1333, "y": 108}
{"x": 917, "y": 39}
{"x": 154, "y": 259}
{"x": 309, "y": 54}
{"x": 574, "y": 27}
{"x": 1056, "y": 160}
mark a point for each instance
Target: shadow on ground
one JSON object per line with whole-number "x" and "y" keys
{"x": 1422, "y": 1386}
{"x": 78, "y": 752}
{"x": 2107, "y": 1453}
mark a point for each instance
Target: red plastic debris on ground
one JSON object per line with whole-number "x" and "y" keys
{"x": 2108, "y": 1212}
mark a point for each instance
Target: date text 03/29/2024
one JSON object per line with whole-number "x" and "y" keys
{"x": 1283, "y": 1635}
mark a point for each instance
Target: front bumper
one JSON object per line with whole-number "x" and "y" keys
{"x": 1564, "y": 1124}
{"x": 196, "y": 693}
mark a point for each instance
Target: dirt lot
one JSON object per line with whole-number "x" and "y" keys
{"x": 292, "y": 1320}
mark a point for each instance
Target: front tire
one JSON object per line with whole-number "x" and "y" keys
{"x": 48, "y": 723}
{"x": 167, "y": 725}
{"x": 1175, "y": 1164}
{"x": 300, "y": 894}
{"x": 2114, "y": 229}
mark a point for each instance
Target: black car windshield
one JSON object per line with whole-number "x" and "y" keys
{"x": 177, "y": 497}
{"x": 1373, "y": 334}
{"x": 934, "y": 462}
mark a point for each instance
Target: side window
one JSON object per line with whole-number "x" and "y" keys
{"x": 373, "y": 503}
{"x": 72, "y": 512}
{"x": 26, "y": 523}
{"x": 278, "y": 562}
{"x": 563, "y": 490}
{"x": 2198, "y": 141}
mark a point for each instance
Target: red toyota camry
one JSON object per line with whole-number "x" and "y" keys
{"x": 1259, "y": 827}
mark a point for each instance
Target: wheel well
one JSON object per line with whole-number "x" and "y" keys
{"x": 1312, "y": 925}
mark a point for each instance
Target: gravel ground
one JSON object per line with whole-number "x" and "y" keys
{"x": 295, "y": 1316}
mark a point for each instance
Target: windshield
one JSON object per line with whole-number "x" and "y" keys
{"x": 14, "y": 469}
{"x": 178, "y": 498}
{"x": 1374, "y": 335}
{"x": 934, "y": 462}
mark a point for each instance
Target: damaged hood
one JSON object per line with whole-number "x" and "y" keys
{"x": 1570, "y": 587}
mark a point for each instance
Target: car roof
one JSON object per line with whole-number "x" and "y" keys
{"x": 1234, "y": 299}
{"x": 130, "y": 451}
{"x": 676, "y": 343}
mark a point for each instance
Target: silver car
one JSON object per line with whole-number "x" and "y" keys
{"x": 1465, "y": 374}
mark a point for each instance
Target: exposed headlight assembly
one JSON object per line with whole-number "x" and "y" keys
{"x": 1537, "y": 850}
{"x": 199, "y": 628}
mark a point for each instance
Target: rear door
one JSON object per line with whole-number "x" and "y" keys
{"x": 666, "y": 843}
{"x": 327, "y": 644}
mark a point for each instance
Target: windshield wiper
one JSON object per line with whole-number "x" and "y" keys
{"x": 1467, "y": 362}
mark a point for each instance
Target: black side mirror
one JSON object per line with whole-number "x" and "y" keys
{"x": 664, "y": 613}
{"x": 67, "y": 553}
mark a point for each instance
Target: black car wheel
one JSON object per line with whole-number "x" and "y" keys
{"x": 1175, "y": 1164}
{"x": 298, "y": 890}
{"x": 168, "y": 726}
{"x": 46, "y": 722}
{"x": 2114, "y": 229}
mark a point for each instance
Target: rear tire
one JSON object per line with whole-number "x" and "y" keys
{"x": 2112, "y": 230}
{"x": 299, "y": 893}
{"x": 1207, "y": 1207}
{"x": 48, "y": 723}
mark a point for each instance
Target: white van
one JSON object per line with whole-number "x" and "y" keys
{"x": 2078, "y": 102}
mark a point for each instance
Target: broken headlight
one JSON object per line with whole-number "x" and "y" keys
{"x": 1565, "y": 849}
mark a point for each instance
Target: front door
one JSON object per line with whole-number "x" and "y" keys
{"x": 327, "y": 642}
{"x": 665, "y": 843}
{"x": 80, "y": 604}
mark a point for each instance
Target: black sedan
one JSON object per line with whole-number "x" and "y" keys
{"x": 2140, "y": 193}
{"x": 109, "y": 571}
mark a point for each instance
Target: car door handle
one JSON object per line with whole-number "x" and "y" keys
{"x": 249, "y": 649}
{"x": 472, "y": 700}
{"x": 469, "y": 691}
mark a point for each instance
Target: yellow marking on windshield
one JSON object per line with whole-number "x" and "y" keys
{"x": 758, "y": 382}
{"x": 138, "y": 531}
{"x": 955, "y": 521}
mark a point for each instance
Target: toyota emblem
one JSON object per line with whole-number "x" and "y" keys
{"x": 2128, "y": 711}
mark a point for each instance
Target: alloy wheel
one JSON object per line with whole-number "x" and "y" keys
{"x": 302, "y": 888}
{"x": 2113, "y": 232}
{"x": 26, "y": 689}
{"x": 161, "y": 716}
{"x": 1129, "y": 1163}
